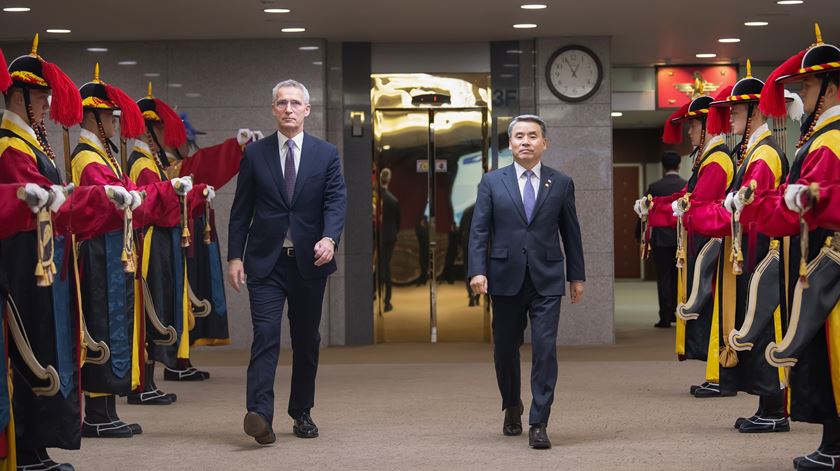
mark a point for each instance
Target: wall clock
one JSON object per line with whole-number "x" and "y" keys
{"x": 574, "y": 73}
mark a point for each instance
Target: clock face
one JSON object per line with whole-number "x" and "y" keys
{"x": 574, "y": 73}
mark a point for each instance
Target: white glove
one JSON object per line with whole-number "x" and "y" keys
{"x": 211, "y": 193}
{"x": 640, "y": 208}
{"x": 119, "y": 196}
{"x": 258, "y": 135}
{"x": 182, "y": 185}
{"x": 675, "y": 207}
{"x": 792, "y": 199}
{"x": 58, "y": 197}
{"x": 37, "y": 194}
{"x": 243, "y": 136}
{"x": 136, "y": 199}
{"x": 729, "y": 202}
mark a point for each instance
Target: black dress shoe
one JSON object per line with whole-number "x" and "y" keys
{"x": 662, "y": 325}
{"x": 304, "y": 427}
{"x": 538, "y": 437}
{"x": 816, "y": 461}
{"x": 388, "y": 307}
{"x": 115, "y": 429}
{"x": 471, "y": 302}
{"x": 763, "y": 425}
{"x": 256, "y": 426}
{"x": 695, "y": 387}
{"x": 513, "y": 420}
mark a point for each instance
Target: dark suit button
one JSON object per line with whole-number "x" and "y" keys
{"x": 524, "y": 250}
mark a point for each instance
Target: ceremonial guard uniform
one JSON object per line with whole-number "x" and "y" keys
{"x": 46, "y": 361}
{"x": 761, "y": 166}
{"x": 111, "y": 295}
{"x": 711, "y": 177}
{"x": 163, "y": 262}
{"x": 810, "y": 346}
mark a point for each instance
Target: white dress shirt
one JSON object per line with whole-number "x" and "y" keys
{"x": 521, "y": 179}
{"x": 281, "y": 140}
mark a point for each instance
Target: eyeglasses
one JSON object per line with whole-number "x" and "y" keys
{"x": 283, "y": 104}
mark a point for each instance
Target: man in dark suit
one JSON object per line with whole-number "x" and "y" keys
{"x": 390, "y": 228}
{"x": 663, "y": 242}
{"x": 521, "y": 213}
{"x": 289, "y": 210}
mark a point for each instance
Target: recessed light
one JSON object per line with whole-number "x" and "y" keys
{"x": 174, "y": 85}
{"x": 58, "y": 31}
{"x": 524, "y": 25}
{"x": 756, "y": 23}
{"x": 790, "y": 2}
{"x": 533, "y": 6}
{"x": 514, "y": 51}
{"x": 511, "y": 66}
{"x": 506, "y": 76}
{"x": 151, "y": 74}
{"x": 97, "y": 49}
{"x": 277, "y": 10}
{"x": 293, "y": 30}
{"x": 318, "y": 63}
{"x": 616, "y": 114}
{"x": 16, "y": 9}
{"x": 127, "y": 63}
{"x": 386, "y": 147}
{"x": 705, "y": 56}
{"x": 193, "y": 95}
{"x": 729, "y": 40}
{"x": 309, "y": 48}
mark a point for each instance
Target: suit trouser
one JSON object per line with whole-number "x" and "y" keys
{"x": 510, "y": 317}
{"x": 385, "y": 267}
{"x": 267, "y": 296}
{"x": 666, "y": 282}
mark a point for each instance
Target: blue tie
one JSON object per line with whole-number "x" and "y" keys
{"x": 528, "y": 196}
{"x": 290, "y": 174}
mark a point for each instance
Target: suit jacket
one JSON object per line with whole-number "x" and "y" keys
{"x": 667, "y": 185}
{"x": 262, "y": 213}
{"x": 390, "y": 216}
{"x": 503, "y": 244}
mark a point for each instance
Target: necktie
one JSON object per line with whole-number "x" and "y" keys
{"x": 528, "y": 196}
{"x": 290, "y": 174}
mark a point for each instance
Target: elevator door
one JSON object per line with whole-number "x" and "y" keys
{"x": 434, "y": 159}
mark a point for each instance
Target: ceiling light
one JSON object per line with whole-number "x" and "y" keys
{"x": 729, "y": 40}
{"x": 293, "y": 30}
{"x": 790, "y": 2}
{"x": 317, "y": 63}
{"x": 97, "y": 49}
{"x": 151, "y": 74}
{"x": 514, "y": 51}
{"x": 58, "y": 31}
{"x": 533, "y": 6}
{"x": 277, "y": 10}
{"x": 524, "y": 25}
{"x": 309, "y": 48}
{"x": 16, "y": 9}
{"x": 506, "y": 76}
{"x": 616, "y": 114}
{"x": 193, "y": 95}
{"x": 511, "y": 66}
{"x": 174, "y": 85}
{"x": 127, "y": 63}
{"x": 756, "y": 23}
{"x": 705, "y": 56}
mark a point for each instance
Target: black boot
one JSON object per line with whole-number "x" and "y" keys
{"x": 98, "y": 422}
{"x": 48, "y": 464}
{"x": 770, "y": 416}
{"x": 187, "y": 374}
{"x": 136, "y": 429}
{"x": 151, "y": 395}
{"x": 827, "y": 456}
{"x": 711, "y": 390}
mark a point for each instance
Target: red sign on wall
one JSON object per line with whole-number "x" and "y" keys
{"x": 677, "y": 85}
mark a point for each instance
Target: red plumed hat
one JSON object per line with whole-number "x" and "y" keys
{"x": 772, "y": 102}
{"x": 718, "y": 120}
{"x": 672, "y": 134}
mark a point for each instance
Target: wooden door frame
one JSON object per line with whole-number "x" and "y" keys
{"x": 641, "y": 167}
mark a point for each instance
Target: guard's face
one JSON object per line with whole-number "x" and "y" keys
{"x": 695, "y": 130}
{"x": 109, "y": 122}
{"x": 738, "y": 118}
{"x": 40, "y": 100}
{"x": 290, "y": 109}
{"x": 527, "y": 143}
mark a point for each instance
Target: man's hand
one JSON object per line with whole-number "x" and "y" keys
{"x": 324, "y": 251}
{"x": 236, "y": 274}
{"x": 36, "y": 197}
{"x": 118, "y": 195}
{"x": 640, "y": 207}
{"x": 576, "y": 289}
{"x": 793, "y": 197}
{"x": 478, "y": 283}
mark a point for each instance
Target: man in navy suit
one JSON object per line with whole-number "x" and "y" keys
{"x": 286, "y": 220}
{"x": 521, "y": 213}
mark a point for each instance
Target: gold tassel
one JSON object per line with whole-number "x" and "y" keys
{"x": 186, "y": 238}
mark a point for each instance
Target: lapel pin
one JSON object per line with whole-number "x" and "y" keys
{"x": 547, "y": 183}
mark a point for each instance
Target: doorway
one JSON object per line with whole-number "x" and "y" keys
{"x": 430, "y": 152}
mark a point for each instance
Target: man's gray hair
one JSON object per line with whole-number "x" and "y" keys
{"x": 528, "y": 118}
{"x": 293, "y": 84}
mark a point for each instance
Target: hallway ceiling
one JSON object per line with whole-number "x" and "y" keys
{"x": 644, "y": 31}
